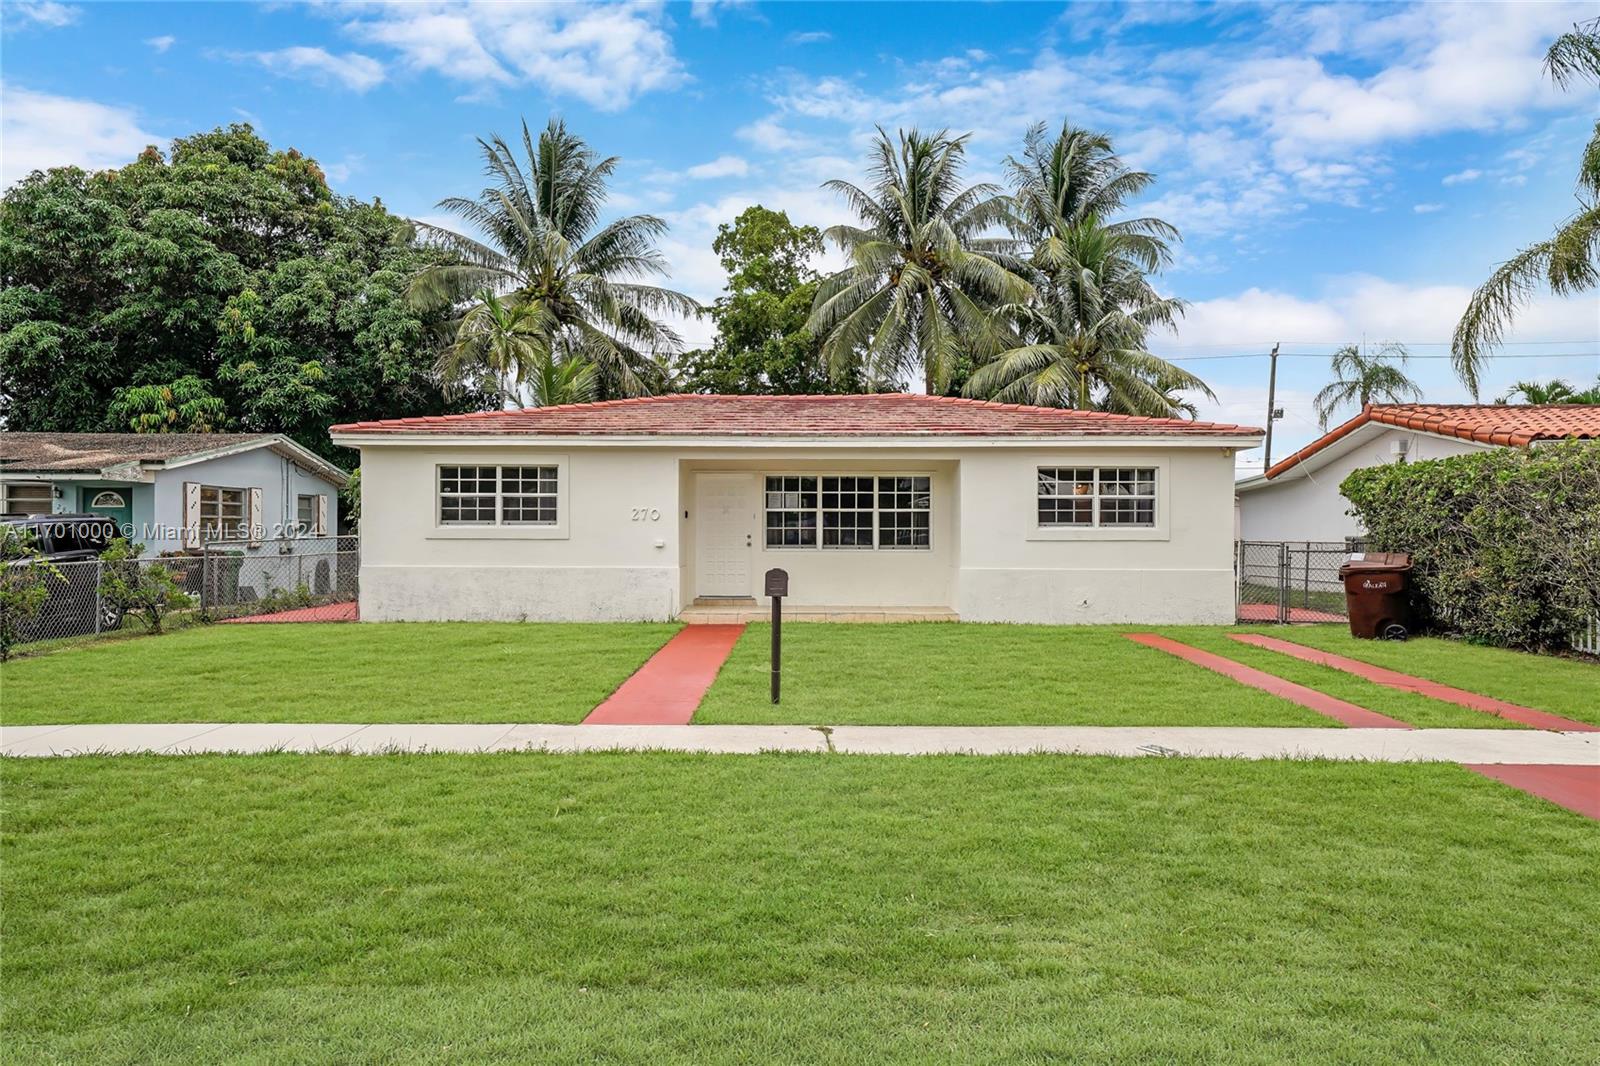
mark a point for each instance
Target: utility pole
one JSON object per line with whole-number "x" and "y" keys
{"x": 1272, "y": 408}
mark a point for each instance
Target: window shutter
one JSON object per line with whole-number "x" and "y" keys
{"x": 254, "y": 518}
{"x": 191, "y": 514}
{"x": 322, "y": 516}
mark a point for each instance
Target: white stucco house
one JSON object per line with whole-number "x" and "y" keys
{"x": 928, "y": 506}
{"x": 174, "y": 491}
{"x": 1298, "y": 499}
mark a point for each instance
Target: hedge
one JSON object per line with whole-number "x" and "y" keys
{"x": 1506, "y": 543}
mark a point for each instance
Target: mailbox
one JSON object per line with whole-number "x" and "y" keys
{"x": 777, "y": 582}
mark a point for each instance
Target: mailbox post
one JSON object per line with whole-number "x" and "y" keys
{"x": 777, "y": 587}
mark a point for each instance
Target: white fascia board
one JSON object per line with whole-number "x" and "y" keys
{"x": 285, "y": 447}
{"x": 950, "y": 441}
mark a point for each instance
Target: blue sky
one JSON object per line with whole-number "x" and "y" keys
{"x": 1340, "y": 172}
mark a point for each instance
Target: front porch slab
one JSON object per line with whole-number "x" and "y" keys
{"x": 740, "y": 613}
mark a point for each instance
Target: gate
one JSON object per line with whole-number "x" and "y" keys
{"x": 1291, "y": 580}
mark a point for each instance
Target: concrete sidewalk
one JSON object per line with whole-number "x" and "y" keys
{"x": 1483, "y": 746}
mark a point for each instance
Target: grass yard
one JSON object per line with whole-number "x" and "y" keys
{"x": 675, "y": 909}
{"x": 1568, "y": 687}
{"x": 371, "y": 672}
{"x": 942, "y": 674}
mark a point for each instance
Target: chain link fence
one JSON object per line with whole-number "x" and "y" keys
{"x": 1292, "y": 581}
{"x": 295, "y": 579}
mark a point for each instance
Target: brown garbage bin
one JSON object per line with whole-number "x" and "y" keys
{"x": 1377, "y": 595}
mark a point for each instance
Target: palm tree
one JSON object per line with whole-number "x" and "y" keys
{"x": 1567, "y": 262}
{"x": 1551, "y": 392}
{"x": 1084, "y": 335}
{"x": 923, "y": 281}
{"x": 1361, "y": 378}
{"x": 571, "y": 282}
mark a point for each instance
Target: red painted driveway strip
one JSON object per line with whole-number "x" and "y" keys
{"x": 331, "y": 612}
{"x": 669, "y": 686}
{"x": 1422, "y": 687}
{"x": 1322, "y": 703}
{"x": 1576, "y": 788}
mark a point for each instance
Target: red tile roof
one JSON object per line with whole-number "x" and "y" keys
{"x": 876, "y": 415}
{"x": 1512, "y": 425}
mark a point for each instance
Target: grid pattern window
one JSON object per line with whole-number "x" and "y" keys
{"x": 26, "y": 498}
{"x": 306, "y": 514}
{"x": 222, "y": 514}
{"x": 905, "y": 511}
{"x": 1097, "y": 497}
{"x": 791, "y": 509}
{"x": 847, "y": 512}
{"x": 497, "y": 495}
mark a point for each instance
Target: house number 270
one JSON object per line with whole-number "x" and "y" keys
{"x": 647, "y": 514}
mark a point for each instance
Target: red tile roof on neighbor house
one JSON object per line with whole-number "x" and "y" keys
{"x": 1512, "y": 425}
{"x": 874, "y": 415}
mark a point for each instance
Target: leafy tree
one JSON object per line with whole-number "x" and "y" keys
{"x": 1082, "y": 338}
{"x": 24, "y": 585}
{"x": 224, "y": 261}
{"x": 131, "y": 585}
{"x": 1550, "y": 392}
{"x": 545, "y": 257}
{"x": 1360, "y": 378}
{"x": 1567, "y": 262}
{"x": 762, "y": 343}
{"x": 183, "y": 406}
{"x": 923, "y": 280}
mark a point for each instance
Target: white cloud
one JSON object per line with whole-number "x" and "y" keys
{"x": 38, "y": 130}
{"x": 724, "y": 166}
{"x": 1462, "y": 176}
{"x": 605, "y": 55}
{"x": 42, "y": 13}
{"x": 770, "y": 135}
{"x": 352, "y": 70}
{"x": 1426, "y": 209}
{"x": 162, "y": 43}
{"x": 705, "y": 11}
{"x": 810, "y": 37}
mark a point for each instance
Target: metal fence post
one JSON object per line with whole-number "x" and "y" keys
{"x": 1283, "y": 583}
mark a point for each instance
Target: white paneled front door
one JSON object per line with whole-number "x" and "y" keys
{"x": 724, "y": 533}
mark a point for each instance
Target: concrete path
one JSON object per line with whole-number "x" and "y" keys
{"x": 1477, "y": 746}
{"x": 670, "y": 685}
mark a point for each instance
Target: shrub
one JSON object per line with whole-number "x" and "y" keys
{"x": 146, "y": 589}
{"x": 1506, "y": 543}
{"x": 24, "y": 587}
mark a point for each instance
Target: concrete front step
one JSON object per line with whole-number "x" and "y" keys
{"x": 738, "y": 613}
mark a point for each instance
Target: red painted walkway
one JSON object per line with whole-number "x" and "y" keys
{"x": 328, "y": 612}
{"x": 1576, "y": 788}
{"x": 1422, "y": 687}
{"x": 1322, "y": 703}
{"x": 667, "y": 688}
{"x": 1268, "y": 612}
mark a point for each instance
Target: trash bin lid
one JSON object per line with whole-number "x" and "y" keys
{"x": 1364, "y": 561}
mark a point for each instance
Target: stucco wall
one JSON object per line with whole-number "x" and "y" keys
{"x": 626, "y": 546}
{"x": 1182, "y": 571}
{"x": 1311, "y": 508}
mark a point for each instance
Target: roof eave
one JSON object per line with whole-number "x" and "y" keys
{"x": 836, "y": 441}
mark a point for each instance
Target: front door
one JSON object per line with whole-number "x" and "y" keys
{"x": 724, "y": 532}
{"x": 116, "y": 504}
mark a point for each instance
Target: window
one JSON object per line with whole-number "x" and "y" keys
{"x": 306, "y": 509}
{"x": 222, "y": 513}
{"x": 497, "y": 495}
{"x": 1097, "y": 497}
{"x": 848, "y": 511}
{"x": 27, "y": 497}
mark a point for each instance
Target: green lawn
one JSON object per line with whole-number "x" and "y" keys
{"x": 370, "y": 672}
{"x": 807, "y": 908}
{"x": 1568, "y": 687}
{"x": 942, "y": 674}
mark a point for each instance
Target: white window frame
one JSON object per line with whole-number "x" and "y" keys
{"x": 499, "y": 529}
{"x": 9, "y": 488}
{"x": 1161, "y": 530}
{"x": 819, "y": 510}
{"x": 223, "y": 534}
{"x": 308, "y": 527}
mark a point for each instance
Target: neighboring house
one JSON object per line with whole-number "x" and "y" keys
{"x": 174, "y": 490}
{"x": 635, "y": 509}
{"x": 1298, "y": 498}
